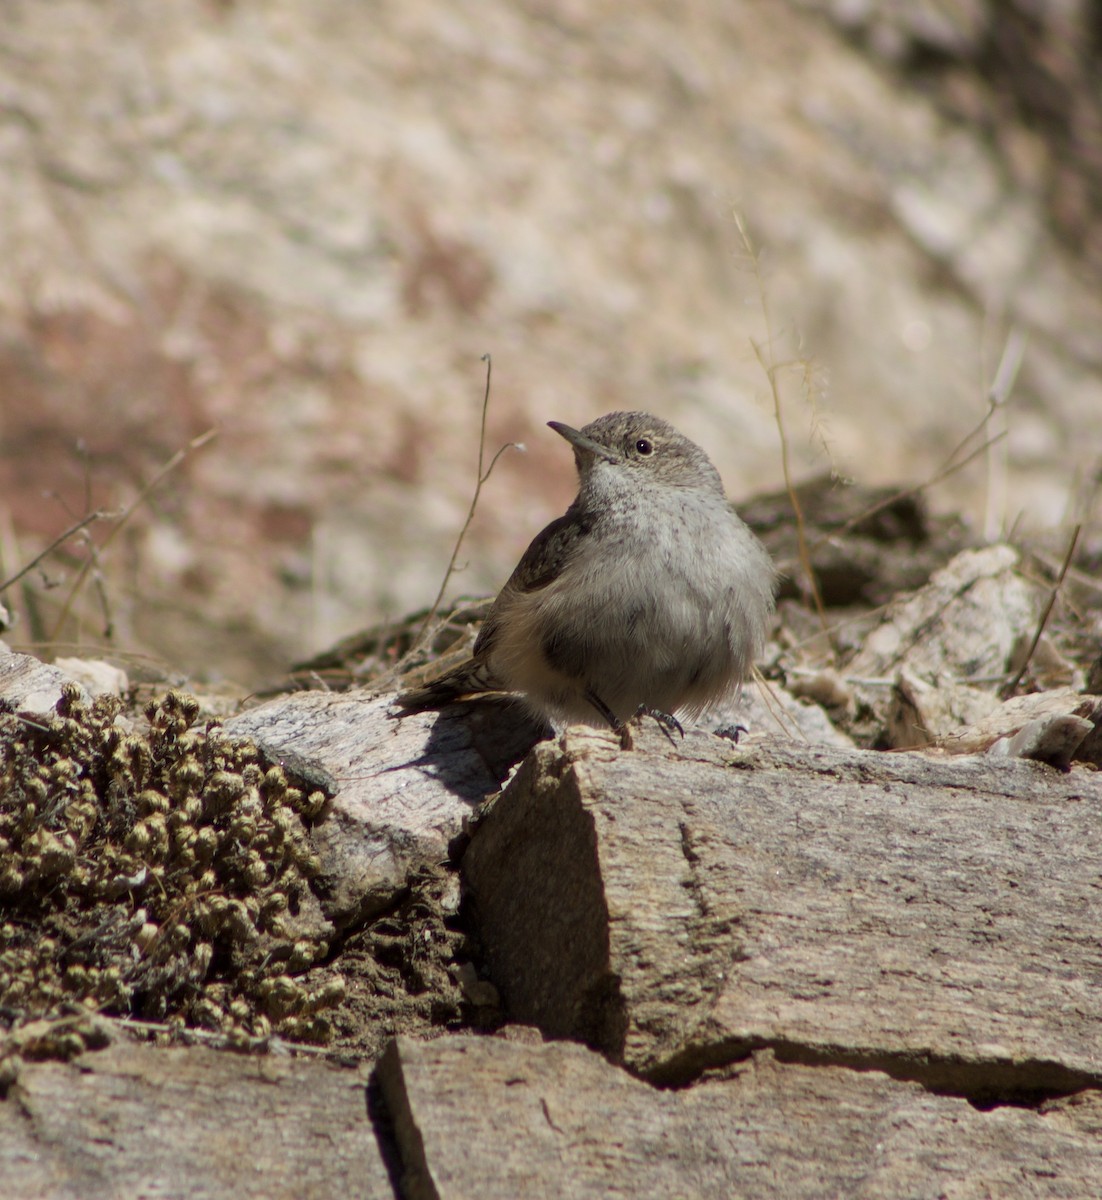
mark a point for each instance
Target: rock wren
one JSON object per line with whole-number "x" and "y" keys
{"x": 649, "y": 594}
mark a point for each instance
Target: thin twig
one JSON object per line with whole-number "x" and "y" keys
{"x": 950, "y": 467}
{"x": 196, "y": 443}
{"x": 997, "y": 396}
{"x": 774, "y": 706}
{"x": 941, "y": 474}
{"x": 1012, "y": 686}
{"x": 1007, "y": 371}
{"x": 770, "y": 368}
{"x": 1006, "y": 374}
{"x": 98, "y": 515}
{"x": 483, "y": 476}
{"x": 1081, "y": 578}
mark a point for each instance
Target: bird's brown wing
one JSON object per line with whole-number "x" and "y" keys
{"x": 542, "y": 563}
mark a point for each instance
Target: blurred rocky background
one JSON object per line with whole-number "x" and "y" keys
{"x": 301, "y": 223}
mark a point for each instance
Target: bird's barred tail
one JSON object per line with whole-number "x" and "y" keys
{"x": 470, "y": 678}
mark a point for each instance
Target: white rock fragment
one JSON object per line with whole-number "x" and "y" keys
{"x": 99, "y": 677}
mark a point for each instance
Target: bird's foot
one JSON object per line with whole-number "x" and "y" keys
{"x": 667, "y": 722}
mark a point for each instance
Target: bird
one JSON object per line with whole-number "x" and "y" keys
{"x": 649, "y": 595}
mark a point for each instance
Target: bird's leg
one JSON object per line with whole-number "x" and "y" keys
{"x": 614, "y": 721}
{"x": 667, "y": 722}
{"x": 603, "y": 708}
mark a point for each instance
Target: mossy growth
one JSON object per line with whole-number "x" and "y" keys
{"x": 157, "y": 868}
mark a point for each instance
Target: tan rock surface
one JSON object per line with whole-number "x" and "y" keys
{"x": 133, "y": 1120}
{"x": 680, "y": 906}
{"x": 483, "y": 1118}
{"x": 404, "y": 786}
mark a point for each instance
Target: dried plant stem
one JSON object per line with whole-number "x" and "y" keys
{"x": 997, "y": 395}
{"x": 773, "y": 704}
{"x": 482, "y": 476}
{"x": 196, "y": 443}
{"x": 1012, "y": 686}
{"x": 765, "y": 359}
{"x": 951, "y": 467}
{"x": 72, "y": 531}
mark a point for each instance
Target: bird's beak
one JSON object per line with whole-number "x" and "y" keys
{"x": 583, "y": 444}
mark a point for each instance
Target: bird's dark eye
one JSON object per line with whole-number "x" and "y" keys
{"x": 644, "y": 446}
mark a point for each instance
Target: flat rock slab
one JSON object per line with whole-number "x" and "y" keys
{"x": 406, "y": 784}
{"x": 133, "y": 1120}
{"x": 486, "y": 1119}
{"x": 403, "y": 785}
{"x": 678, "y": 906}
{"x": 28, "y": 684}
